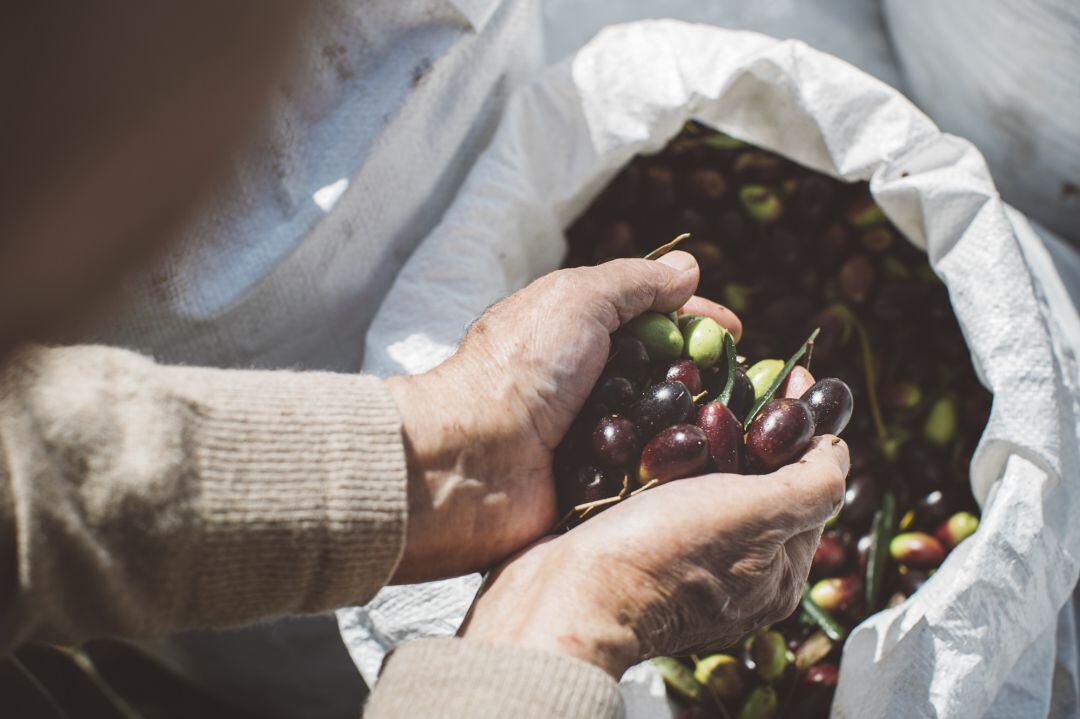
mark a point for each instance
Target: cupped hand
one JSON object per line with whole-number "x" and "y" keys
{"x": 688, "y": 566}
{"x": 481, "y": 428}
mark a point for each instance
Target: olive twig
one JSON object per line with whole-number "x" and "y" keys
{"x": 86, "y": 665}
{"x": 649, "y": 485}
{"x": 667, "y": 247}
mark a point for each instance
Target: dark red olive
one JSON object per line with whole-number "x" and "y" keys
{"x": 863, "y": 550}
{"x": 911, "y": 580}
{"x": 662, "y": 405}
{"x": 678, "y": 451}
{"x": 861, "y": 500}
{"x": 742, "y": 394}
{"x": 856, "y": 278}
{"x": 687, "y": 372}
{"x": 932, "y": 510}
{"x": 611, "y": 395}
{"x": 829, "y": 557}
{"x": 725, "y": 435}
{"x": 706, "y": 186}
{"x": 779, "y": 433}
{"x": 824, "y": 674}
{"x": 628, "y": 357}
{"x": 585, "y": 484}
{"x": 615, "y": 441}
{"x": 831, "y": 404}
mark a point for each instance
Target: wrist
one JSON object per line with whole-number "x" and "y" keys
{"x": 543, "y": 601}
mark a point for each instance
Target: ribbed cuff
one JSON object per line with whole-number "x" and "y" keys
{"x": 302, "y": 489}
{"x": 459, "y": 678}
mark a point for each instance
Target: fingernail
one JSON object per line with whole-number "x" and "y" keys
{"x": 682, "y": 261}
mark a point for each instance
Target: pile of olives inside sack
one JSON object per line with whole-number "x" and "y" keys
{"x": 790, "y": 250}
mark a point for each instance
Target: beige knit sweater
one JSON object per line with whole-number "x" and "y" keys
{"x": 138, "y": 499}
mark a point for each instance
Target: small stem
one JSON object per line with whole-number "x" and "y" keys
{"x": 701, "y": 396}
{"x": 667, "y": 247}
{"x": 83, "y": 661}
{"x": 651, "y": 483}
{"x": 871, "y": 385}
{"x": 38, "y": 686}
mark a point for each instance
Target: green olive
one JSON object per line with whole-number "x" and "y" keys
{"x": 659, "y": 334}
{"x": 678, "y": 678}
{"x": 762, "y": 703}
{"x": 762, "y": 375}
{"x": 703, "y": 341}
{"x": 720, "y": 672}
{"x": 940, "y": 426}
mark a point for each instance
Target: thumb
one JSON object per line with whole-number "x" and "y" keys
{"x": 632, "y": 286}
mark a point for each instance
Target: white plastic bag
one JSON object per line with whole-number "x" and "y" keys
{"x": 949, "y": 650}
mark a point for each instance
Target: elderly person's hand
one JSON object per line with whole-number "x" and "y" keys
{"x": 688, "y": 566}
{"x": 481, "y": 428}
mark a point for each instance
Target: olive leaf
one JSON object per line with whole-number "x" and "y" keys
{"x": 881, "y": 533}
{"x": 822, "y": 618}
{"x": 667, "y": 247}
{"x": 788, "y": 366}
{"x": 732, "y": 365}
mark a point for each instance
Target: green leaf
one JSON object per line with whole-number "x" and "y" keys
{"x": 729, "y": 382}
{"x": 881, "y": 533}
{"x": 788, "y": 366}
{"x": 822, "y": 618}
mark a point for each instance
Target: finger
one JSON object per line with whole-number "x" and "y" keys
{"x": 797, "y": 382}
{"x": 723, "y": 316}
{"x": 811, "y": 490}
{"x": 630, "y": 287}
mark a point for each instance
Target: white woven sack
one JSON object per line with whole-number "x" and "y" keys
{"x": 949, "y": 650}
{"x": 1004, "y": 74}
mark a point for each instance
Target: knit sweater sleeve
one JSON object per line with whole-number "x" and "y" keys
{"x": 461, "y": 678}
{"x": 139, "y": 499}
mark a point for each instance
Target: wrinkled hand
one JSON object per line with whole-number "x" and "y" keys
{"x": 691, "y": 565}
{"x": 480, "y": 429}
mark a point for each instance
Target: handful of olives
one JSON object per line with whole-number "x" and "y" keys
{"x": 672, "y": 403}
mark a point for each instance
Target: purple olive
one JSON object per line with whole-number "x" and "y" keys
{"x": 932, "y": 510}
{"x": 611, "y": 394}
{"x": 921, "y": 464}
{"x": 911, "y": 580}
{"x": 616, "y": 240}
{"x": 615, "y": 442}
{"x": 831, "y": 404}
{"x": 829, "y": 557}
{"x": 861, "y": 500}
{"x": 662, "y": 405}
{"x": 862, "y": 549}
{"x": 742, "y": 394}
{"x": 585, "y": 484}
{"x": 678, "y": 451}
{"x": 725, "y": 435}
{"x": 779, "y": 433}
{"x": 687, "y": 372}
{"x": 628, "y": 358}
